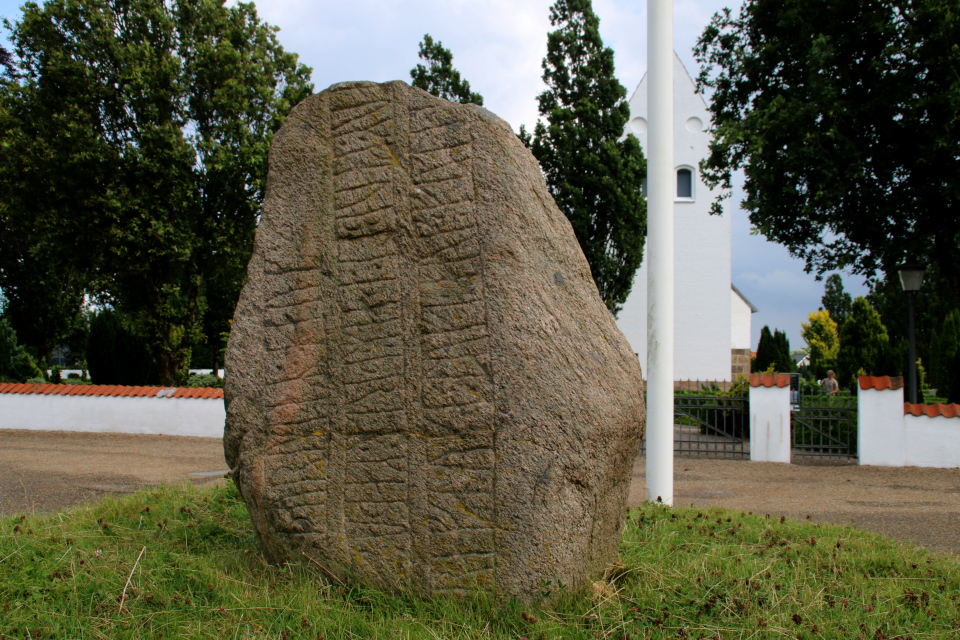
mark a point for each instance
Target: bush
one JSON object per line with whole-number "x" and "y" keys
{"x": 16, "y": 364}
{"x": 25, "y": 367}
{"x": 8, "y": 349}
{"x": 204, "y": 380}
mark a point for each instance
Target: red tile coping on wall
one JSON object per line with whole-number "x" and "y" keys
{"x": 932, "y": 410}
{"x": 205, "y": 393}
{"x": 769, "y": 380}
{"x": 881, "y": 382}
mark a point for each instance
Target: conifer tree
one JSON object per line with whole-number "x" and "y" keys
{"x": 766, "y": 351}
{"x": 439, "y": 78}
{"x": 863, "y": 343}
{"x": 773, "y": 349}
{"x": 593, "y": 175}
{"x": 836, "y": 300}
{"x": 785, "y": 363}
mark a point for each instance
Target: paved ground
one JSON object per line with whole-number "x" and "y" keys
{"x": 908, "y": 503}
{"x": 50, "y": 471}
{"x": 46, "y": 471}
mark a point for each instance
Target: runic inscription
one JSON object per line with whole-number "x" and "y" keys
{"x": 419, "y": 400}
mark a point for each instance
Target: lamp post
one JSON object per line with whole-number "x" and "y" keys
{"x": 911, "y": 278}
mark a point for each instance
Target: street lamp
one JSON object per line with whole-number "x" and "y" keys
{"x": 911, "y": 278}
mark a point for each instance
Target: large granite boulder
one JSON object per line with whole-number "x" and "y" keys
{"x": 424, "y": 389}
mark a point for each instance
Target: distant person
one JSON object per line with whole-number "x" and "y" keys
{"x": 830, "y": 384}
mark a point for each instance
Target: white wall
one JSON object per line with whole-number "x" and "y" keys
{"x": 880, "y": 427}
{"x": 203, "y": 417}
{"x": 702, "y": 323}
{"x": 770, "y": 424}
{"x": 931, "y": 442}
{"x": 740, "y": 318}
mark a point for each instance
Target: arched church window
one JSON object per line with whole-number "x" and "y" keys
{"x": 685, "y": 184}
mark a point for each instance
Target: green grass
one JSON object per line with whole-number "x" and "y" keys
{"x": 195, "y": 572}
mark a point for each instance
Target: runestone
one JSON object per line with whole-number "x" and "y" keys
{"x": 424, "y": 390}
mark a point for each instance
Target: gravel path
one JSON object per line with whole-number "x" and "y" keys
{"x": 50, "y": 471}
{"x": 907, "y": 503}
{"x": 47, "y": 471}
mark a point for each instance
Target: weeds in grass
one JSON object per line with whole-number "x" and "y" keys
{"x": 183, "y": 563}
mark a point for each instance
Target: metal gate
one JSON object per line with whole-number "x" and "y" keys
{"x": 824, "y": 428}
{"x": 709, "y": 423}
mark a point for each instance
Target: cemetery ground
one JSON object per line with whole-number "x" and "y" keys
{"x": 147, "y": 557}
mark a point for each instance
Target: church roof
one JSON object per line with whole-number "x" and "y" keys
{"x": 753, "y": 309}
{"x": 692, "y": 83}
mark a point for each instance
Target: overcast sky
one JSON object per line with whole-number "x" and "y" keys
{"x": 498, "y": 45}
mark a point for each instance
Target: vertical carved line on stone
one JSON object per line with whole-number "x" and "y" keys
{"x": 490, "y": 363}
{"x": 399, "y": 149}
{"x": 416, "y": 486}
{"x": 294, "y": 344}
{"x": 455, "y": 394}
{"x": 336, "y": 444}
{"x": 369, "y": 295}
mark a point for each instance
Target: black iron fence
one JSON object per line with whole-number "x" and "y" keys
{"x": 711, "y": 420}
{"x": 824, "y": 427}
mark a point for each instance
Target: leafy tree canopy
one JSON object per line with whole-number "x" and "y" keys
{"x": 439, "y": 78}
{"x": 944, "y": 363}
{"x": 8, "y": 63}
{"x": 117, "y": 354}
{"x": 135, "y": 154}
{"x": 845, "y": 118}
{"x": 863, "y": 344}
{"x": 16, "y": 365}
{"x": 835, "y": 300}
{"x": 593, "y": 175}
{"x": 823, "y": 342}
{"x": 932, "y": 304}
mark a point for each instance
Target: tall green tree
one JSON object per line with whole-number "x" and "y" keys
{"x": 8, "y": 63}
{"x": 439, "y": 78}
{"x": 594, "y": 176}
{"x": 115, "y": 354}
{"x": 863, "y": 343}
{"x": 844, "y": 116}
{"x": 45, "y": 290}
{"x": 823, "y": 342}
{"x": 773, "y": 349}
{"x": 835, "y": 300}
{"x": 783, "y": 348}
{"x": 135, "y": 147}
{"x": 944, "y": 363}
{"x": 932, "y": 304}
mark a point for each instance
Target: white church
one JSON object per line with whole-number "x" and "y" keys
{"x": 711, "y": 317}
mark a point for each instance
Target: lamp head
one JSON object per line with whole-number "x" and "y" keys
{"x": 911, "y": 276}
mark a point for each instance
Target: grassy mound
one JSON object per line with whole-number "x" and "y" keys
{"x": 181, "y": 563}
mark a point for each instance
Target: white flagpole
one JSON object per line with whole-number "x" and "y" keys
{"x": 660, "y": 194}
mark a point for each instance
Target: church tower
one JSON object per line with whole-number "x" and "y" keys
{"x": 708, "y": 311}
